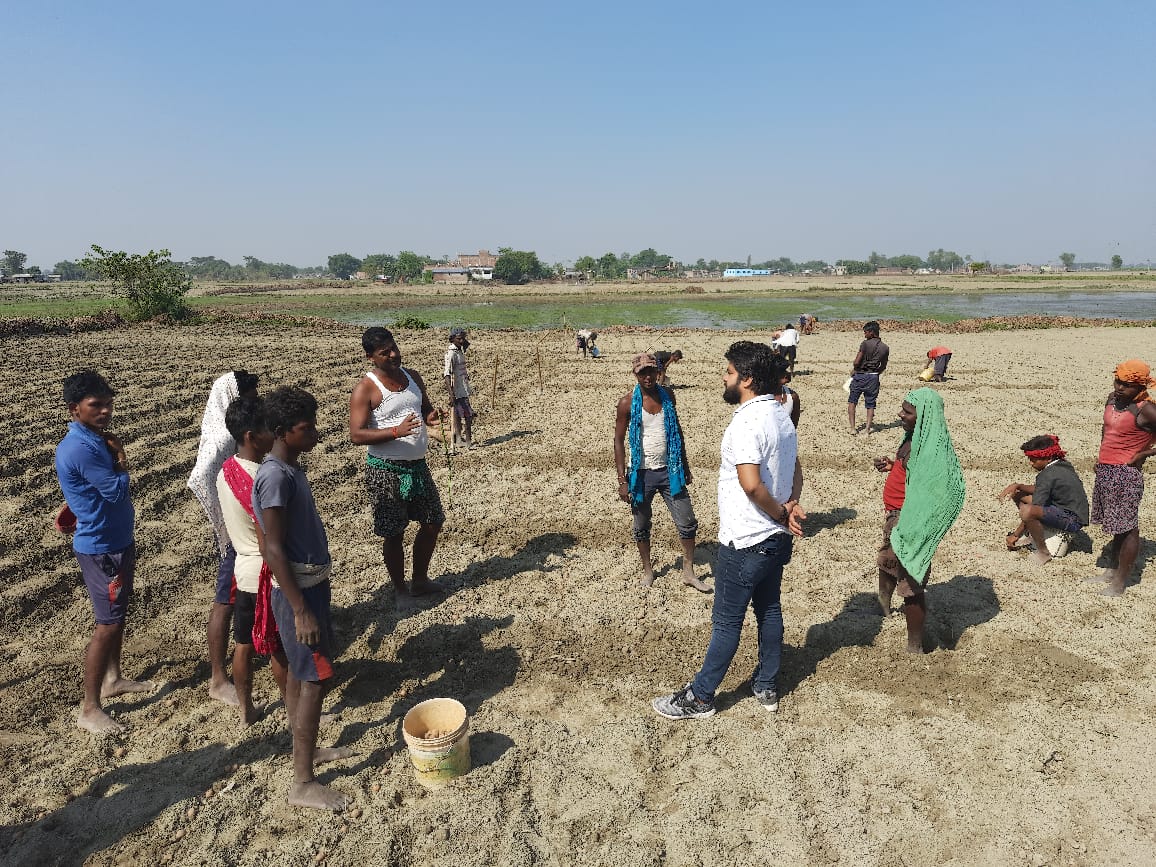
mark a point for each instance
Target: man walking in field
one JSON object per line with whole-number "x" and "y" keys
{"x": 457, "y": 381}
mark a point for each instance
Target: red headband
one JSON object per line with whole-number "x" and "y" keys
{"x": 1052, "y": 452}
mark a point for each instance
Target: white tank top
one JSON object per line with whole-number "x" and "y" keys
{"x": 653, "y": 440}
{"x": 392, "y": 411}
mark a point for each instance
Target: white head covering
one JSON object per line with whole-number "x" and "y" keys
{"x": 217, "y": 445}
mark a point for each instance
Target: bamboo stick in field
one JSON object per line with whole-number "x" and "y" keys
{"x": 538, "y": 354}
{"x": 494, "y": 392}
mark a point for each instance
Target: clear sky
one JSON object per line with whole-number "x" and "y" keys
{"x": 290, "y": 131}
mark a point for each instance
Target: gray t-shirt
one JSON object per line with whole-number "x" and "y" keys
{"x": 1058, "y": 485}
{"x": 875, "y": 353}
{"x": 281, "y": 485}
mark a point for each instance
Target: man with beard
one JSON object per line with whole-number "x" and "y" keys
{"x": 759, "y": 483}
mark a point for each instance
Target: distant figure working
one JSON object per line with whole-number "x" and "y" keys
{"x": 937, "y": 360}
{"x": 665, "y": 360}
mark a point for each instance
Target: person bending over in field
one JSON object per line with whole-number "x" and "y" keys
{"x": 1055, "y": 506}
{"x": 922, "y": 497}
{"x": 1126, "y": 438}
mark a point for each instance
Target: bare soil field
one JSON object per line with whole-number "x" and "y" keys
{"x": 1024, "y": 738}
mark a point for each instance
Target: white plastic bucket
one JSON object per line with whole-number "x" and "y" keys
{"x": 436, "y": 732}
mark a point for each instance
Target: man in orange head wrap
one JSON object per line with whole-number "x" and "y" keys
{"x": 1126, "y": 439}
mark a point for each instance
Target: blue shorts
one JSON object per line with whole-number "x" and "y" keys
{"x": 108, "y": 579}
{"x": 1060, "y": 519}
{"x": 311, "y": 663}
{"x": 226, "y": 581}
{"x": 866, "y": 384}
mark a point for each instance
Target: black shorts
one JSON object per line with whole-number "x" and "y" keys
{"x": 244, "y": 613}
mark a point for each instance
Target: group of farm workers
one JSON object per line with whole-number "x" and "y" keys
{"x": 273, "y": 580}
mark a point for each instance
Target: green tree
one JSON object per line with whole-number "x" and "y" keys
{"x": 944, "y": 260}
{"x": 379, "y": 263}
{"x": 586, "y": 265}
{"x": 518, "y": 266}
{"x": 212, "y": 268}
{"x": 814, "y": 265}
{"x": 874, "y": 260}
{"x": 906, "y": 260}
{"x": 70, "y": 271}
{"x": 13, "y": 262}
{"x": 855, "y": 267}
{"x": 409, "y": 265}
{"x": 610, "y": 268}
{"x": 1117, "y": 262}
{"x": 976, "y": 267}
{"x": 343, "y": 265}
{"x": 153, "y": 284}
{"x": 1068, "y": 259}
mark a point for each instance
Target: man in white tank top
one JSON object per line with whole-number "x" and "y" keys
{"x": 657, "y": 465}
{"x": 388, "y": 412}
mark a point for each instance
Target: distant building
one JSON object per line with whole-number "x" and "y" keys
{"x": 747, "y": 272}
{"x": 449, "y": 274}
{"x": 482, "y": 259}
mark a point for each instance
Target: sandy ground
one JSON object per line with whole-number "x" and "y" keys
{"x": 1024, "y": 738}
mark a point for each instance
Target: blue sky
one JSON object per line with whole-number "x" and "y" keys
{"x": 290, "y": 131}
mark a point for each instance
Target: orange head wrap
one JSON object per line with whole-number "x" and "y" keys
{"x": 1136, "y": 371}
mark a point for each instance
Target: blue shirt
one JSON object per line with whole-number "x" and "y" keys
{"x": 95, "y": 491}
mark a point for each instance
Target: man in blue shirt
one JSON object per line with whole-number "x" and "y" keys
{"x": 93, "y": 472}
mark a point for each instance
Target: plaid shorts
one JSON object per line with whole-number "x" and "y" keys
{"x": 392, "y": 514}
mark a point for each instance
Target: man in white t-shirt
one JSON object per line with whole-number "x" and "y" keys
{"x": 759, "y": 483}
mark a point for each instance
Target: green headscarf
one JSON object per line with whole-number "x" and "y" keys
{"x": 935, "y": 490}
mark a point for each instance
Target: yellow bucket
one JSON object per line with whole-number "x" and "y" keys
{"x": 437, "y": 734}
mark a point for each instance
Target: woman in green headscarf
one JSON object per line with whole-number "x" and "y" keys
{"x": 922, "y": 497}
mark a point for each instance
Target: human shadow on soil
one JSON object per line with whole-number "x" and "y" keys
{"x": 856, "y": 625}
{"x": 512, "y": 435}
{"x": 955, "y": 606}
{"x": 817, "y": 521}
{"x": 121, "y": 801}
{"x": 445, "y": 660}
{"x": 381, "y": 612}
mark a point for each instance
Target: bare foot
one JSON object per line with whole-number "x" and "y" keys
{"x": 693, "y": 581}
{"x": 327, "y": 718}
{"x": 424, "y": 588}
{"x": 225, "y": 693}
{"x": 249, "y": 715}
{"x": 646, "y": 579}
{"x": 915, "y": 646}
{"x": 98, "y": 722}
{"x": 321, "y": 755}
{"x": 1041, "y": 558}
{"x": 122, "y": 685}
{"x": 1104, "y": 577}
{"x": 1114, "y": 588}
{"x": 317, "y": 797}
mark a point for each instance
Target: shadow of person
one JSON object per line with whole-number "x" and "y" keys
{"x": 856, "y": 625}
{"x": 506, "y": 437}
{"x": 120, "y": 802}
{"x": 956, "y": 605}
{"x": 817, "y": 521}
{"x": 445, "y": 661}
{"x": 381, "y": 611}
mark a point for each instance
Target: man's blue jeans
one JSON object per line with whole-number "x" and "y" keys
{"x": 746, "y": 576}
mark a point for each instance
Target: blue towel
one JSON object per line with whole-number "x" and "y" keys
{"x": 674, "y": 465}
